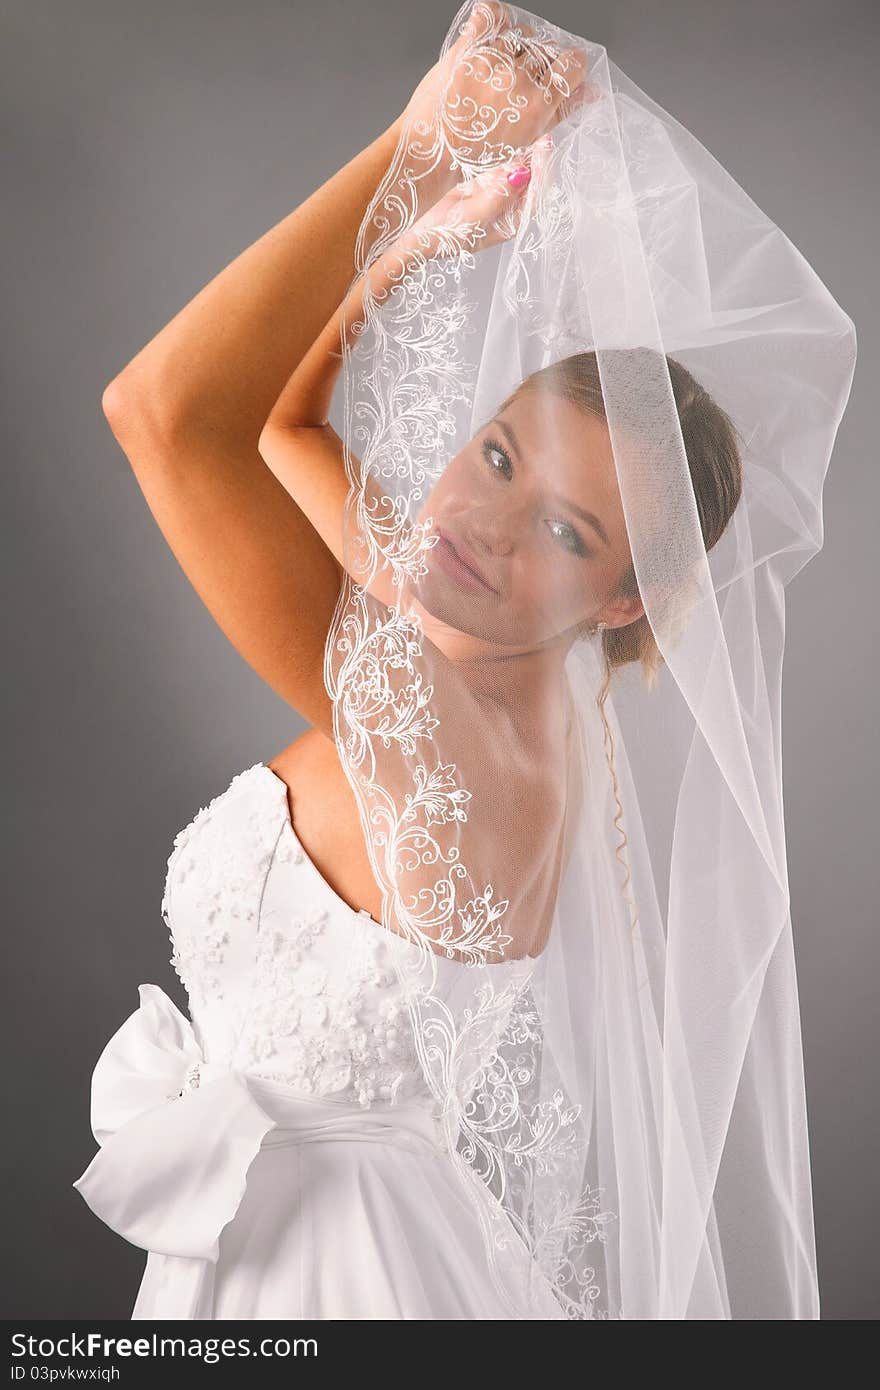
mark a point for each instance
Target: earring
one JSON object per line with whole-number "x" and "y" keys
{"x": 600, "y": 627}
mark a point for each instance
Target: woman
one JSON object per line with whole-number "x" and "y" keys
{"x": 419, "y": 1000}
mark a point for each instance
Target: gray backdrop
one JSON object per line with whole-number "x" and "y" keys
{"x": 146, "y": 145}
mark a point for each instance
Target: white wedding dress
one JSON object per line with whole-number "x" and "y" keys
{"x": 278, "y": 1153}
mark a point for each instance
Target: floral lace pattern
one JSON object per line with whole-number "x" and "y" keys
{"x": 410, "y": 387}
{"x": 348, "y": 1043}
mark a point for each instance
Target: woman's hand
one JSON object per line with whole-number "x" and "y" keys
{"x": 490, "y": 97}
{"x": 477, "y": 213}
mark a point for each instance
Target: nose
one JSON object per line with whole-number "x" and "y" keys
{"x": 494, "y": 531}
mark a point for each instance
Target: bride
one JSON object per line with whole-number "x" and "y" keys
{"x": 426, "y": 1072}
{"x": 224, "y": 418}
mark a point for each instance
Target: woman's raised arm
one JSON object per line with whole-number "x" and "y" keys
{"x": 222, "y": 361}
{"x": 188, "y": 412}
{"x": 190, "y": 409}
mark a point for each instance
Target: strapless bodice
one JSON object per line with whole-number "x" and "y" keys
{"x": 249, "y": 1146}
{"x": 285, "y": 980}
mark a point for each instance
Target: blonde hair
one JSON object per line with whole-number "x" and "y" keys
{"x": 714, "y": 460}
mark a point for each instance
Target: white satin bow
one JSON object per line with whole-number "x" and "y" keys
{"x": 172, "y": 1167}
{"x": 178, "y": 1133}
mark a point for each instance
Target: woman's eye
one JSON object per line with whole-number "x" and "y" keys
{"x": 568, "y": 537}
{"x": 497, "y": 458}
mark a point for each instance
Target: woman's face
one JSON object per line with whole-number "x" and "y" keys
{"x": 532, "y": 538}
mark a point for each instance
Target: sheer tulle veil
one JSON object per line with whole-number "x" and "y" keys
{"x": 588, "y": 412}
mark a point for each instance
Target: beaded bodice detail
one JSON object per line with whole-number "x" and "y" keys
{"x": 284, "y": 979}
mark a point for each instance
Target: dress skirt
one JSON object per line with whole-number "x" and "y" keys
{"x": 348, "y": 1226}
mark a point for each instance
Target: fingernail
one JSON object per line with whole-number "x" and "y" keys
{"x": 518, "y": 178}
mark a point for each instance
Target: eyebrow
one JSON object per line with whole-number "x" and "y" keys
{"x": 589, "y": 517}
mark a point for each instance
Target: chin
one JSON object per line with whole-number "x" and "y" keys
{"x": 463, "y": 612}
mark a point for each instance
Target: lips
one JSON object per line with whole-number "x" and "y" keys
{"x": 464, "y": 558}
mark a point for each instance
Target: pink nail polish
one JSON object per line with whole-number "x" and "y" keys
{"x": 518, "y": 178}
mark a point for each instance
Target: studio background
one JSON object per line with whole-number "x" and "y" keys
{"x": 145, "y": 147}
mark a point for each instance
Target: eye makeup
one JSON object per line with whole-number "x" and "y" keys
{"x": 500, "y": 463}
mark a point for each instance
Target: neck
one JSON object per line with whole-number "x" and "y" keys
{"x": 512, "y": 676}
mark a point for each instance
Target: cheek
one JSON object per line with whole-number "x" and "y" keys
{"x": 559, "y": 589}
{"x": 542, "y": 581}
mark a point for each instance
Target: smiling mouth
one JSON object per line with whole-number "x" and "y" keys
{"x": 458, "y": 568}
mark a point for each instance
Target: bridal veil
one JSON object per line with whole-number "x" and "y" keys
{"x": 613, "y": 402}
